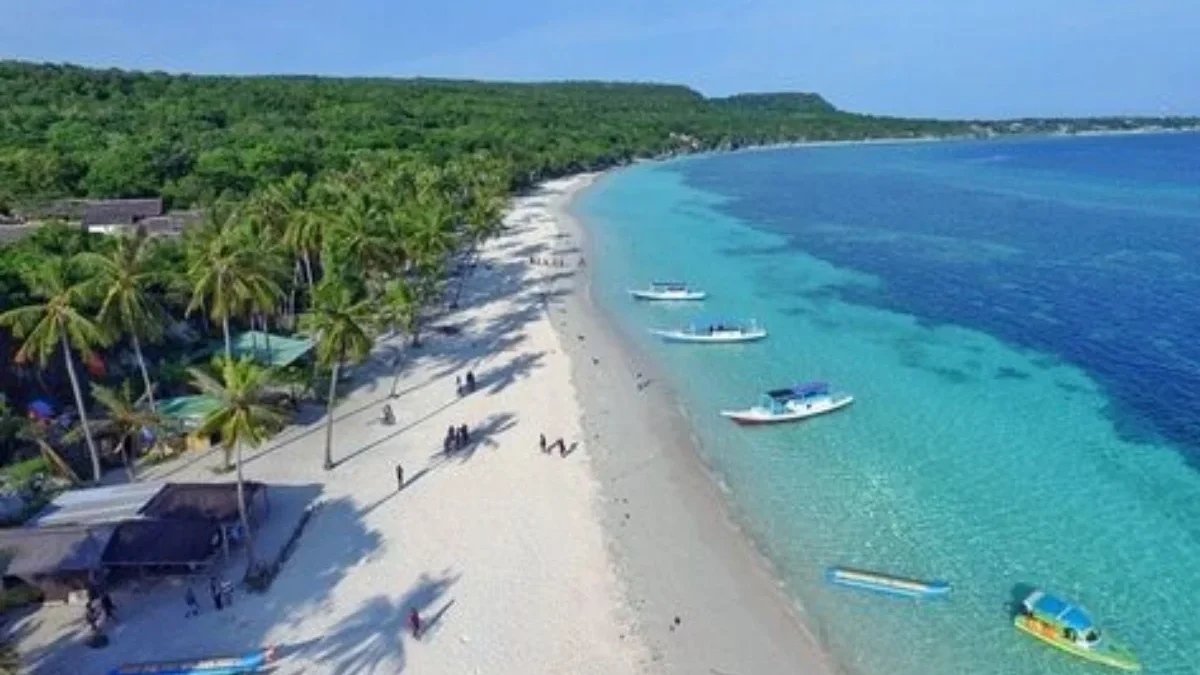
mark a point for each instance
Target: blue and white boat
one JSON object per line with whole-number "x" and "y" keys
{"x": 714, "y": 331}
{"x": 792, "y": 404}
{"x": 668, "y": 290}
{"x": 887, "y": 584}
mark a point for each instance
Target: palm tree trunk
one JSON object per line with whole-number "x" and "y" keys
{"x": 83, "y": 419}
{"x": 462, "y": 277}
{"x": 308, "y": 270}
{"x": 243, "y": 514}
{"x": 329, "y": 415}
{"x": 137, "y": 350}
{"x": 228, "y": 341}
{"x": 267, "y": 337}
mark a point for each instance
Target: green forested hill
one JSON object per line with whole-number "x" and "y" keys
{"x": 71, "y": 131}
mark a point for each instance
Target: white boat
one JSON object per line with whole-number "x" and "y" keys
{"x": 791, "y": 405}
{"x": 668, "y": 290}
{"x": 714, "y": 332}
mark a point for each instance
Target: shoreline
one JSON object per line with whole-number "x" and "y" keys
{"x": 672, "y": 531}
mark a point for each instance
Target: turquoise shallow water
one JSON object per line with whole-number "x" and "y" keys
{"x": 965, "y": 457}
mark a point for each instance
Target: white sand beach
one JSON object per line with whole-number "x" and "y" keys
{"x": 618, "y": 558}
{"x": 499, "y": 546}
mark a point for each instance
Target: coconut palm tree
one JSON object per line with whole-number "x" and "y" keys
{"x": 125, "y": 421}
{"x": 399, "y": 309}
{"x": 125, "y": 280}
{"x": 340, "y": 325}
{"x": 58, "y": 322}
{"x": 230, "y": 277}
{"x": 243, "y": 418}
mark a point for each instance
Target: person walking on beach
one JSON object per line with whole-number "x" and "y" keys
{"x": 542, "y": 442}
{"x": 463, "y": 438}
{"x": 215, "y": 592}
{"x": 399, "y": 477}
{"x": 470, "y": 382}
{"x": 193, "y": 607}
{"x": 110, "y": 609}
{"x": 414, "y": 622}
{"x": 451, "y": 442}
{"x": 458, "y": 386}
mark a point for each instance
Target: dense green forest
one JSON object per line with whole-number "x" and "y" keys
{"x": 71, "y": 131}
{"x": 342, "y": 208}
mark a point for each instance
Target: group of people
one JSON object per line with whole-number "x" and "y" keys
{"x": 221, "y": 593}
{"x": 456, "y": 438}
{"x": 100, "y": 607}
{"x": 465, "y": 385}
{"x": 554, "y": 262}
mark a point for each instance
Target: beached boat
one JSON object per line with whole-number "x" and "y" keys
{"x": 714, "y": 332}
{"x": 1056, "y": 622}
{"x": 792, "y": 404}
{"x": 256, "y": 661}
{"x": 887, "y": 584}
{"x": 668, "y": 290}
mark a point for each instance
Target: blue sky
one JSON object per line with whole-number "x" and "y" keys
{"x": 945, "y": 58}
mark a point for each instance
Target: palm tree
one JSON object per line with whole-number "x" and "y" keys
{"x": 483, "y": 221}
{"x": 244, "y": 417}
{"x": 125, "y": 279}
{"x": 230, "y": 277}
{"x": 58, "y": 322}
{"x": 125, "y": 421}
{"x": 398, "y": 309}
{"x": 339, "y": 324}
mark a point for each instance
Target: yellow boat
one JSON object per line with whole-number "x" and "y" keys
{"x": 1058, "y": 623}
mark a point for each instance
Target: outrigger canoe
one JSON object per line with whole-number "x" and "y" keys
{"x": 668, "y": 290}
{"x": 1067, "y": 627}
{"x": 252, "y": 662}
{"x": 887, "y": 584}
{"x": 791, "y": 405}
{"x": 714, "y": 332}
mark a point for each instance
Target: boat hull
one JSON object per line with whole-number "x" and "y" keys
{"x": 668, "y": 297}
{"x": 252, "y": 662}
{"x": 693, "y": 338}
{"x": 886, "y": 584}
{"x": 760, "y": 416}
{"x": 1113, "y": 657}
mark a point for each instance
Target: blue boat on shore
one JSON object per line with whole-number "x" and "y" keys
{"x": 887, "y": 584}
{"x": 253, "y": 662}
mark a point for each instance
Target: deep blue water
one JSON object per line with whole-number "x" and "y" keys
{"x": 1016, "y": 320}
{"x": 1083, "y": 248}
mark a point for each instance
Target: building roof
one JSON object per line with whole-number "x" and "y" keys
{"x": 161, "y": 542}
{"x": 28, "y": 552}
{"x": 95, "y": 506}
{"x": 190, "y": 410}
{"x": 199, "y": 501}
{"x": 284, "y": 350}
{"x": 121, "y": 211}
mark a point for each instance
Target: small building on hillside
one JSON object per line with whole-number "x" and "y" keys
{"x": 112, "y": 216}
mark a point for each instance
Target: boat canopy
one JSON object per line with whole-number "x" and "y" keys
{"x": 800, "y": 391}
{"x": 1053, "y": 609}
{"x": 668, "y": 284}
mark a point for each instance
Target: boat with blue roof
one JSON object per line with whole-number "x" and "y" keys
{"x": 714, "y": 331}
{"x": 792, "y": 404}
{"x": 1056, "y": 622}
{"x": 668, "y": 290}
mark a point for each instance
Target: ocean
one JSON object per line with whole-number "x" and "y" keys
{"x": 1016, "y": 319}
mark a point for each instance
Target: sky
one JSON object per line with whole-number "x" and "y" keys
{"x": 928, "y": 58}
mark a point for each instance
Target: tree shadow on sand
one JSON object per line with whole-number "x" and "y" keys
{"x": 374, "y": 638}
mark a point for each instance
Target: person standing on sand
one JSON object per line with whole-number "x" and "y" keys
{"x": 193, "y": 607}
{"x": 215, "y": 592}
{"x": 470, "y": 382}
{"x": 414, "y": 622}
{"x": 110, "y": 609}
{"x": 458, "y": 386}
{"x": 399, "y": 477}
{"x": 542, "y": 442}
{"x": 463, "y": 438}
